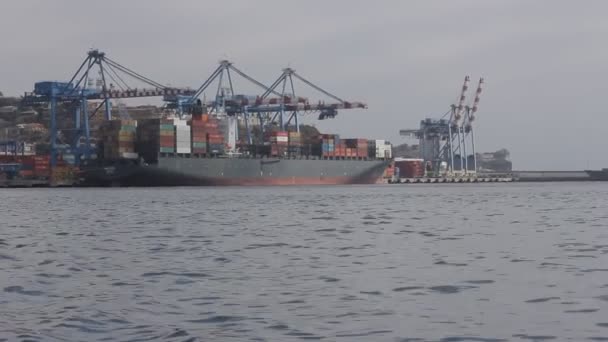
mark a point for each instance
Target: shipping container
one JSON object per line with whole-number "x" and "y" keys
{"x": 156, "y": 136}
{"x": 409, "y": 167}
{"x": 206, "y": 136}
{"x": 118, "y": 139}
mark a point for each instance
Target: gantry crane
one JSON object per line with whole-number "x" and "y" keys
{"x": 287, "y": 103}
{"x": 445, "y": 140}
{"x": 458, "y": 148}
{"x": 470, "y": 117}
{"x": 76, "y": 92}
{"x": 268, "y": 110}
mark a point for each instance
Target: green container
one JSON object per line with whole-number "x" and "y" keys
{"x": 199, "y": 144}
{"x": 128, "y": 128}
{"x": 165, "y": 127}
{"x": 167, "y": 150}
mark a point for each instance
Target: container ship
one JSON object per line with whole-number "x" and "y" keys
{"x": 204, "y": 151}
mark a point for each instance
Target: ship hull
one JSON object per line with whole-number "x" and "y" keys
{"x": 187, "y": 171}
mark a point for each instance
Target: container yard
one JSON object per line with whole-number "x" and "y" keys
{"x": 35, "y": 171}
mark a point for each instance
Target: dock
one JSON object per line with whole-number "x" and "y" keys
{"x": 514, "y": 176}
{"x": 451, "y": 180}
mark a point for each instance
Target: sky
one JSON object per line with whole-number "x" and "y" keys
{"x": 544, "y": 62}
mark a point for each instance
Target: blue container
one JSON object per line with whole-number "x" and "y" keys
{"x": 10, "y": 167}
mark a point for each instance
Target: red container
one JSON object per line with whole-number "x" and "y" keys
{"x": 26, "y": 173}
{"x": 215, "y": 136}
{"x": 167, "y": 141}
{"x": 410, "y": 168}
{"x": 204, "y": 125}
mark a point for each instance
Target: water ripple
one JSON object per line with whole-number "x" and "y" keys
{"x": 484, "y": 262}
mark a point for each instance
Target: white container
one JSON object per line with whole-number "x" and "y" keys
{"x": 400, "y": 159}
{"x": 383, "y": 151}
{"x": 182, "y": 135}
{"x": 129, "y": 155}
{"x": 180, "y": 122}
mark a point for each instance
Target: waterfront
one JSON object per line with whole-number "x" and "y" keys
{"x": 483, "y": 262}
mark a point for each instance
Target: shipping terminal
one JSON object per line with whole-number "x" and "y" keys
{"x": 233, "y": 139}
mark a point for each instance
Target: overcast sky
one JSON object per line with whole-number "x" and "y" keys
{"x": 544, "y": 62}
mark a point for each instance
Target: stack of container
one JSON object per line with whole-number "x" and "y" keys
{"x": 409, "y": 167}
{"x": 182, "y": 136}
{"x": 356, "y": 147}
{"x": 204, "y": 133}
{"x": 37, "y": 166}
{"x": 41, "y": 166}
{"x": 198, "y": 134}
{"x": 215, "y": 143}
{"x": 27, "y": 167}
{"x": 118, "y": 138}
{"x": 279, "y": 143}
{"x": 155, "y": 136}
{"x": 361, "y": 147}
{"x": 63, "y": 173}
{"x": 339, "y": 149}
{"x": 380, "y": 149}
{"x": 371, "y": 148}
{"x": 384, "y": 150}
{"x": 328, "y": 144}
{"x": 295, "y": 143}
{"x": 167, "y": 136}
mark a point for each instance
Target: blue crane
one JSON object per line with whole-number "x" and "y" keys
{"x": 76, "y": 92}
{"x": 267, "y": 109}
{"x": 221, "y": 74}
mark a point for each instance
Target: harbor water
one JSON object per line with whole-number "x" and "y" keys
{"x": 471, "y": 262}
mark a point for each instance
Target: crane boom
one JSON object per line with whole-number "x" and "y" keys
{"x": 472, "y": 110}
{"x": 459, "y": 108}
